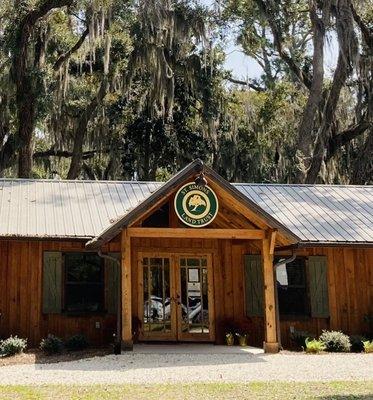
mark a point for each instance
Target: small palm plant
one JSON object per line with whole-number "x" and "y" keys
{"x": 314, "y": 346}
{"x": 368, "y": 346}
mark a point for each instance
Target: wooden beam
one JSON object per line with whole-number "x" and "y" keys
{"x": 272, "y": 241}
{"x": 271, "y": 343}
{"x": 198, "y": 233}
{"x": 127, "y": 341}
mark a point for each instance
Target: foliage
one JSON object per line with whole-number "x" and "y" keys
{"x": 51, "y": 345}
{"x": 76, "y": 342}
{"x": 368, "y": 346}
{"x": 13, "y": 345}
{"x": 335, "y": 341}
{"x": 314, "y": 346}
{"x": 135, "y": 90}
{"x": 357, "y": 345}
{"x": 300, "y": 337}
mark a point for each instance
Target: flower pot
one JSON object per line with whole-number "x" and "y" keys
{"x": 242, "y": 340}
{"x": 229, "y": 339}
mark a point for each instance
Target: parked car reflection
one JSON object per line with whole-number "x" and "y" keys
{"x": 156, "y": 311}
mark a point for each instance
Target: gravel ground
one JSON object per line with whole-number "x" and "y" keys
{"x": 146, "y": 368}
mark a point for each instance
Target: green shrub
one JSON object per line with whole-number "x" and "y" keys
{"x": 76, "y": 342}
{"x": 13, "y": 345}
{"x": 314, "y": 346}
{"x": 335, "y": 341}
{"x": 51, "y": 345}
{"x": 368, "y": 346}
{"x": 357, "y": 345}
{"x": 299, "y": 338}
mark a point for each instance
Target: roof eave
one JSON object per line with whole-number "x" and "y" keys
{"x": 310, "y": 244}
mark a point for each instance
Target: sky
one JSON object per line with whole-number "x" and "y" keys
{"x": 244, "y": 67}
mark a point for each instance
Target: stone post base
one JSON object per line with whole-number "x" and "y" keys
{"x": 271, "y": 347}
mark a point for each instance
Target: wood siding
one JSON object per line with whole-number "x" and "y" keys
{"x": 21, "y": 296}
{"x": 350, "y": 286}
{"x": 350, "y": 280}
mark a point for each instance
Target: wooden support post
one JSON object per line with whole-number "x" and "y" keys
{"x": 271, "y": 342}
{"x": 127, "y": 341}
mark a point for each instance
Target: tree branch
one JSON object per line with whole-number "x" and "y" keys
{"x": 64, "y": 57}
{"x": 66, "y": 154}
{"x": 245, "y": 83}
{"x": 345, "y": 137}
{"x": 277, "y": 40}
{"x": 365, "y": 30}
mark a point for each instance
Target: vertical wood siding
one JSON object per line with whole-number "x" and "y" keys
{"x": 21, "y": 296}
{"x": 350, "y": 288}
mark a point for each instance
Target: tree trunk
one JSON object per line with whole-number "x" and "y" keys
{"x": 81, "y": 131}
{"x": 340, "y": 77}
{"x": 26, "y": 95}
{"x": 347, "y": 52}
{"x": 363, "y": 168}
{"x": 305, "y": 130}
{"x": 26, "y": 116}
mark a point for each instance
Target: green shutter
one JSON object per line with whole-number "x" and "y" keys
{"x": 254, "y": 287}
{"x": 318, "y": 268}
{"x": 112, "y": 285}
{"x": 52, "y": 282}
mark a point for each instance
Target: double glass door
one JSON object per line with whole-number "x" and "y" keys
{"x": 175, "y": 297}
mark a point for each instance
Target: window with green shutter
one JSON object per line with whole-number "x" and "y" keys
{"x": 318, "y": 269}
{"x": 291, "y": 281}
{"x": 254, "y": 287}
{"x": 84, "y": 283}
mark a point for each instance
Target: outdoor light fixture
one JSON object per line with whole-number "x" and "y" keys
{"x": 201, "y": 180}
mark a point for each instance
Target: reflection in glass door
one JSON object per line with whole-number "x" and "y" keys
{"x": 158, "y": 309}
{"x": 175, "y": 297}
{"x": 194, "y": 310}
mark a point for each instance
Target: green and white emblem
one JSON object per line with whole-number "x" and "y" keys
{"x": 196, "y": 205}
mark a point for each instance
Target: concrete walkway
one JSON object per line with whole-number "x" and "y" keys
{"x": 194, "y": 363}
{"x": 186, "y": 348}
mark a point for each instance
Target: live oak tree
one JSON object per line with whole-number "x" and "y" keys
{"x": 276, "y": 34}
{"x": 123, "y": 89}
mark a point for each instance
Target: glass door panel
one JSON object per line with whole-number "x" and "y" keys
{"x": 157, "y": 305}
{"x": 194, "y": 313}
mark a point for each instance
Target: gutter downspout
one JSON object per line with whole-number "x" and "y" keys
{"x": 117, "y": 343}
{"x": 282, "y": 261}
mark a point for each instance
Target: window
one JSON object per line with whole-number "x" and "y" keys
{"x": 292, "y": 288}
{"x": 84, "y": 283}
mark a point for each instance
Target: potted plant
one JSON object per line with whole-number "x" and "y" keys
{"x": 228, "y": 328}
{"x": 242, "y": 338}
{"x": 229, "y": 339}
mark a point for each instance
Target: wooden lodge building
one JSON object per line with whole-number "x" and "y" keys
{"x": 183, "y": 260}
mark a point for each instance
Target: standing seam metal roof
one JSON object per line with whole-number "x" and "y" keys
{"x": 83, "y": 209}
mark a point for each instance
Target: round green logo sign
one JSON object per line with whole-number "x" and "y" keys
{"x": 196, "y": 205}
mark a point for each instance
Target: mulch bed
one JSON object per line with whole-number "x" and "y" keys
{"x": 36, "y": 356}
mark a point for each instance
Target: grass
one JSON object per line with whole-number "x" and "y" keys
{"x": 256, "y": 390}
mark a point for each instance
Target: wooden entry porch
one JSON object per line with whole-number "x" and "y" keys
{"x": 227, "y": 247}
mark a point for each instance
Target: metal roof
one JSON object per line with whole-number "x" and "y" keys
{"x": 83, "y": 209}
{"x": 66, "y": 209}
{"x": 318, "y": 213}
